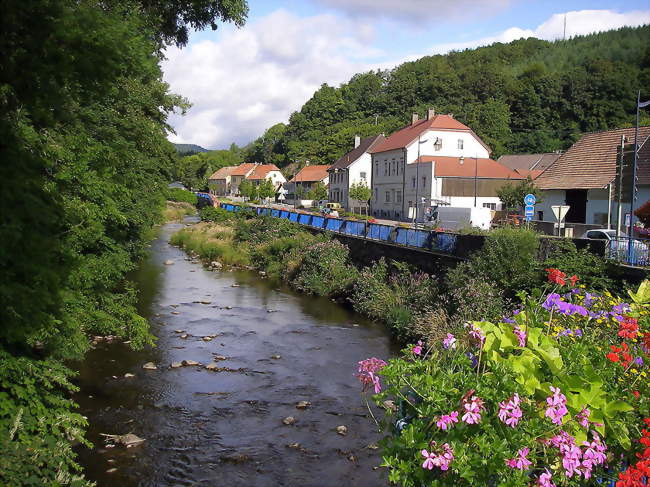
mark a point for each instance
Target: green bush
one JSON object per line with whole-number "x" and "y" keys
{"x": 594, "y": 271}
{"x": 216, "y": 214}
{"x": 324, "y": 269}
{"x": 264, "y": 229}
{"x": 270, "y": 255}
{"x": 474, "y": 299}
{"x": 181, "y": 195}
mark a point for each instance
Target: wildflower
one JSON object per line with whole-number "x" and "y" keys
{"x": 476, "y": 333}
{"x": 446, "y": 421}
{"x": 367, "y": 373}
{"x": 473, "y": 358}
{"x": 556, "y": 276}
{"x": 573, "y": 279}
{"x": 441, "y": 460}
{"x": 557, "y": 406}
{"x": 521, "y": 335}
{"x": 510, "y": 412}
{"x": 544, "y": 479}
{"x": 473, "y": 408}
{"x": 583, "y": 417}
{"x": 593, "y": 455}
{"x": 505, "y": 319}
{"x": 428, "y": 459}
{"x": 520, "y": 462}
{"x": 417, "y": 349}
{"x": 449, "y": 342}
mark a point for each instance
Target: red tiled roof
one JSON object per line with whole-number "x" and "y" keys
{"x": 223, "y": 173}
{"x": 365, "y": 146}
{"x": 533, "y": 173}
{"x": 450, "y": 167}
{"x": 590, "y": 163}
{"x": 262, "y": 170}
{"x": 311, "y": 174}
{"x": 408, "y": 134}
{"x": 243, "y": 169}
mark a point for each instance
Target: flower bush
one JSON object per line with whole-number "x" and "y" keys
{"x": 555, "y": 393}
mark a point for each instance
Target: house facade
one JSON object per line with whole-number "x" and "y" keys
{"x": 240, "y": 173}
{"x": 585, "y": 178}
{"x": 404, "y": 174}
{"x": 305, "y": 180}
{"x": 266, "y": 171}
{"x": 352, "y": 168}
{"x": 219, "y": 182}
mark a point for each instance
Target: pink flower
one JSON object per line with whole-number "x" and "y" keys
{"x": 476, "y": 333}
{"x": 367, "y": 373}
{"x": 417, "y": 349}
{"x": 429, "y": 458}
{"x": 583, "y": 417}
{"x": 520, "y": 462}
{"x": 446, "y": 421}
{"x": 510, "y": 412}
{"x": 449, "y": 342}
{"x": 441, "y": 459}
{"x": 521, "y": 335}
{"x": 472, "y": 410}
{"x": 544, "y": 479}
{"x": 557, "y": 406}
{"x": 593, "y": 455}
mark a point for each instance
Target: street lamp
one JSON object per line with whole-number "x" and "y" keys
{"x": 417, "y": 177}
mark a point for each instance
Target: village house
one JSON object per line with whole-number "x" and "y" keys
{"x": 352, "y": 168}
{"x": 435, "y": 161}
{"x": 305, "y": 180}
{"x": 219, "y": 182}
{"x": 529, "y": 164}
{"x": 266, "y": 171}
{"x": 585, "y": 178}
{"x": 240, "y": 173}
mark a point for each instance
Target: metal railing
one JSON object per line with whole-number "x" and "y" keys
{"x": 635, "y": 251}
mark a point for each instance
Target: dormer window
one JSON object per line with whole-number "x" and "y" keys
{"x": 460, "y": 143}
{"x": 437, "y": 145}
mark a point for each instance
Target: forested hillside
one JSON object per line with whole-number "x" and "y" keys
{"x": 189, "y": 149}
{"x": 526, "y": 96}
{"x": 85, "y": 162}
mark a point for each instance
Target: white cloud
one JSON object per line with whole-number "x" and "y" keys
{"x": 418, "y": 11}
{"x": 255, "y": 77}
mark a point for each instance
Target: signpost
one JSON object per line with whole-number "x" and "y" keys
{"x": 560, "y": 212}
{"x": 529, "y": 211}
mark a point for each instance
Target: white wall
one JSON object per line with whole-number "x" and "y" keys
{"x": 471, "y": 146}
{"x": 388, "y": 177}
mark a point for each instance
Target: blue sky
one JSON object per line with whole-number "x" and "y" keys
{"x": 242, "y": 81}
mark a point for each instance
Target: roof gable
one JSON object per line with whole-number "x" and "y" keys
{"x": 311, "y": 174}
{"x": 262, "y": 170}
{"x": 223, "y": 173}
{"x": 536, "y": 162}
{"x": 450, "y": 167}
{"x": 366, "y": 145}
{"x": 243, "y": 169}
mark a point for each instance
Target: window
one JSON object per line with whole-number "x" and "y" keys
{"x": 460, "y": 143}
{"x": 413, "y": 182}
{"x": 385, "y": 169}
{"x": 398, "y": 196}
{"x": 362, "y": 175}
{"x": 540, "y": 216}
{"x": 491, "y": 206}
{"x": 376, "y": 194}
{"x": 397, "y": 167}
{"x": 424, "y": 181}
{"x": 387, "y": 196}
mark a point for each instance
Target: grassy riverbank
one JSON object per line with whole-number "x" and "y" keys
{"x": 176, "y": 211}
{"x": 412, "y": 303}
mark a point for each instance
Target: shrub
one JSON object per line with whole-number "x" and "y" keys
{"x": 264, "y": 229}
{"x": 324, "y": 269}
{"x": 177, "y": 211}
{"x": 216, "y": 214}
{"x": 592, "y": 269}
{"x": 473, "y": 298}
{"x": 181, "y": 195}
{"x": 270, "y": 255}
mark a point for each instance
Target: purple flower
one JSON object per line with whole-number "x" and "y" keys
{"x": 449, "y": 342}
{"x": 446, "y": 421}
{"x": 510, "y": 412}
{"x": 639, "y": 361}
{"x": 473, "y": 358}
{"x": 507, "y": 320}
{"x": 521, "y": 335}
{"x": 557, "y": 406}
{"x": 583, "y": 417}
{"x": 520, "y": 462}
{"x": 472, "y": 408}
{"x": 417, "y": 349}
{"x": 544, "y": 479}
{"x": 476, "y": 333}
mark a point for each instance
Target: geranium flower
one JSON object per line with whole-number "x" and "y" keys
{"x": 556, "y": 276}
{"x": 573, "y": 279}
{"x": 557, "y": 406}
{"x": 629, "y": 328}
{"x": 583, "y": 417}
{"x": 429, "y": 458}
{"x": 544, "y": 479}
{"x": 367, "y": 373}
{"x": 446, "y": 421}
{"x": 417, "y": 349}
{"x": 520, "y": 462}
{"x": 520, "y": 334}
{"x": 449, "y": 342}
{"x": 473, "y": 408}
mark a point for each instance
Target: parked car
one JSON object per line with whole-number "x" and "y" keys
{"x": 618, "y": 248}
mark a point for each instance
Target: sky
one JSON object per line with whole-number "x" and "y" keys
{"x": 241, "y": 81}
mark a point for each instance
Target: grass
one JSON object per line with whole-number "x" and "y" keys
{"x": 212, "y": 241}
{"x": 175, "y": 211}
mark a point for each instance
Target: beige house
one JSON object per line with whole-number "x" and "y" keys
{"x": 219, "y": 182}
{"x": 240, "y": 173}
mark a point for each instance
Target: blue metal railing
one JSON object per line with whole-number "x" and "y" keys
{"x": 635, "y": 251}
{"x": 421, "y": 239}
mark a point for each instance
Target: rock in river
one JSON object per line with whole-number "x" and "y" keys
{"x": 303, "y": 405}
{"x": 175, "y": 365}
{"x": 289, "y": 420}
{"x": 190, "y": 362}
{"x": 342, "y": 430}
{"x": 149, "y": 366}
{"x": 169, "y": 262}
{"x": 207, "y": 339}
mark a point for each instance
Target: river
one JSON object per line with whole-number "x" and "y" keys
{"x": 226, "y": 427}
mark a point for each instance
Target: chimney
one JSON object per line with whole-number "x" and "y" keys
{"x": 414, "y": 118}
{"x": 357, "y": 141}
{"x": 431, "y": 113}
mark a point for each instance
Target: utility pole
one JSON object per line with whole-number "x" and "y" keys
{"x": 630, "y": 232}
{"x": 619, "y": 189}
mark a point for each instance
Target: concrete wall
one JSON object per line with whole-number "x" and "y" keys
{"x": 388, "y": 177}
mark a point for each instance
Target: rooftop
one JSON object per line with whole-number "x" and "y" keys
{"x": 450, "y": 167}
{"x": 590, "y": 163}
{"x": 531, "y": 162}
{"x": 365, "y": 146}
{"x": 223, "y": 173}
{"x": 243, "y": 169}
{"x": 262, "y": 170}
{"x": 311, "y": 174}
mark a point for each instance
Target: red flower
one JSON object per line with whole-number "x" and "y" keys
{"x": 613, "y": 357}
{"x": 556, "y": 276}
{"x": 573, "y": 279}
{"x": 629, "y": 327}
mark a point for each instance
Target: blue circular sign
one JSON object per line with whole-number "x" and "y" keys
{"x": 530, "y": 199}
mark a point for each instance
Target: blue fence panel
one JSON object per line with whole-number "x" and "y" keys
{"x": 317, "y": 221}
{"x": 334, "y": 224}
{"x": 275, "y": 213}
{"x": 266, "y": 211}
{"x": 304, "y": 219}
{"x": 401, "y": 236}
{"x": 355, "y": 228}
{"x": 258, "y": 210}
{"x": 444, "y": 242}
{"x": 421, "y": 239}
{"x": 293, "y": 217}
{"x": 284, "y": 214}
{"x": 230, "y": 208}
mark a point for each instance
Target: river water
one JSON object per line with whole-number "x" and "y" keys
{"x": 225, "y": 428}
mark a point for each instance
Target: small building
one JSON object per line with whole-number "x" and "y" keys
{"x": 584, "y": 178}
{"x": 240, "y": 173}
{"x": 305, "y": 180}
{"x": 355, "y": 167}
{"x": 219, "y": 182}
{"x": 266, "y": 171}
{"x": 529, "y": 164}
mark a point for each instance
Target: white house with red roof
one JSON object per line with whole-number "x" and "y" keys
{"x": 266, "y": 171}
{"x": 430, "y": 162}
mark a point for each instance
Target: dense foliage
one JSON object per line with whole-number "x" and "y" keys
{"x": 526, "y": 96}
{"x": 194, "y": 170}
{"x": 555, "y": 393}
{"x": 85, "y": 163}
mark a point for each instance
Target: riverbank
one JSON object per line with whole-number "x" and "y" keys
{"x": 274, "y": 348}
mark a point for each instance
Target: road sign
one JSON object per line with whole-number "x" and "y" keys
{"x": 530, "y": 199}
{"x": 281, "y": 197}
{"x": 560, "y": 211}
{"x": 530, "y": 210}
